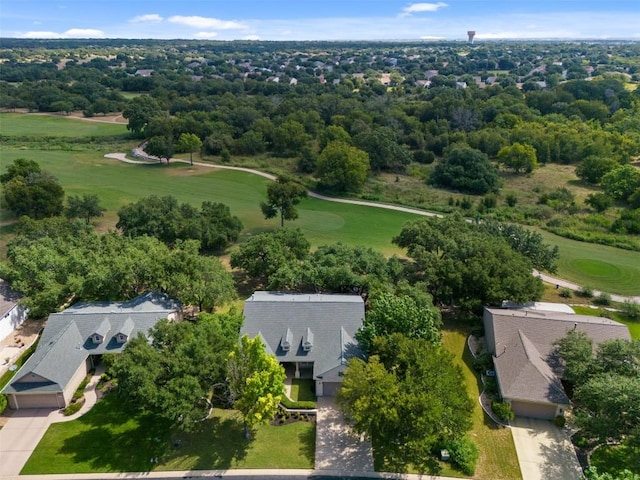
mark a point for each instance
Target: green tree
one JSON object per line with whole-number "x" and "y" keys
{"x": 408, "y": 398}
{"x": 385, "y": 153}
{"x": 161, "y": 147}
{"x": 389, "y": 314}
{"x": 189, "y": 142}
{"x": 599, "y": 201}
{"x": 591, "y": 473}
{"x": 621, "y": 182}
{"x": 575, "y": 349}
{"x": 140, "y": 111}
{"x": 256, "y": 382}
{"x": 86, "y": 206}
{"x": 518, "y": 157}
{"x": 342, "y": 167}
{"x": 173, "y": 372}
{"x": 282, "y": 196}
{"x": 20, "y": 167}
{"x": 262, "y": 255}
{"x": 38, "y": 195}
{"x": 465, "y": 169}
{"x": 593, "y": 168}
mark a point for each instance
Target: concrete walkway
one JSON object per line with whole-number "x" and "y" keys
{"x": 544, "y": 451}
{"x": 337, "y": 447}
{"x": 26, "y": 427}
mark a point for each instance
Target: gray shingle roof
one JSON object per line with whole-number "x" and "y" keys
{"x": 330, "y": 321}
{"x": 66, "y": 339}
{"x": 525, "y": 356}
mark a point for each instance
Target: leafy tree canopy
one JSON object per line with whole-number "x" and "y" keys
{"x": 169, "y": 221}
{"x": 38, "y": 195}
{"x": 175, "y": 374}
{"x": 86, "y": 206}
{"x": 621, "y": 182}
{"x": 282, "y": 196}
{"x": 389, "y": 314}
{"x": 256, "y": 382}
{"x": 518, "y": 157}
{"x": 342, "y": 167}
{"x": 407, "y": 398}
{"x": 467, "y": 170}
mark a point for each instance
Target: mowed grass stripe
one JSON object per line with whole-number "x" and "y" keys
{"x": 21, "y": 125}
{"x": 604, "y": 268}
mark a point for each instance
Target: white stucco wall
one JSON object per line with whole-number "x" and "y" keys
{"x": 11, "y": 320}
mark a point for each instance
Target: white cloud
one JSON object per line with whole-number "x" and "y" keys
{"x": 83, "y": 33}
{"x": 206, "y": 22}
{"x": 252, "y": 37}
{"x": 41, "y": 34}
{"x": 149, "y": 17}
{"x": 422, "y": 7}
{"x": 206, "y": 35}
{"x": 71, "y": 33}
{"x": 429, "y": 37}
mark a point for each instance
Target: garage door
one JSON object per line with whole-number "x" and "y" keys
{"x": 37, "y": 401}
{"x": 533, "y": 410}
{"x": 329, "y": 389}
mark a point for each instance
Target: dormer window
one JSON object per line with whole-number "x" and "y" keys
{"x": 307, "y": 341}
{"x": 125, "y": 331}
{"x": 121, "y": 338}
{"x": 286, "y": 341}
{"x": 97, "y": 339}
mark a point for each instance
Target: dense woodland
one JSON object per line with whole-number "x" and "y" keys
{"x": 350, "y": 117}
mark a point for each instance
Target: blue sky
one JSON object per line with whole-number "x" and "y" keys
{"x": 320, "y": 19}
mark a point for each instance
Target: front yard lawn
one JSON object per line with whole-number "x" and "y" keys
{"x": 616, "y": 458}
{"x": 111, "y": 439}
{"x": 498, "y": 459}
{"x": 302, "y": 390}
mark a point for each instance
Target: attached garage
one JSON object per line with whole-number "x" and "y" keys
{"x": 48, "y": 400}
{"x": 534, "y": 410}
{"x": 330, "y": 389}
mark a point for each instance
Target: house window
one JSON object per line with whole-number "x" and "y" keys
{"x": 97, "y": 338}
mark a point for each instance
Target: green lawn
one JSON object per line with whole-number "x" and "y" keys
{"x": 302, "y": 390}
{"x": 604, "y": 268}
{"x": 20, "y": 125}
{"x": 616, "y": 458}
{"x": 633, "y": 325}
{"x": 498, "y": 459}
{"x": 110, "y": 439}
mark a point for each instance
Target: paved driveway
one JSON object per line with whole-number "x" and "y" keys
{"x": 337, "y": 448}
{"x": 19, "y": 437}
{"x": 544, "y": 451}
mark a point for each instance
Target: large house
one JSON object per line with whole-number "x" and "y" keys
{"x": 71, "y": 341}
{"x": 527, "y": 366}
{"x": 311, "y": 335}
{"x": 12, "y": 314}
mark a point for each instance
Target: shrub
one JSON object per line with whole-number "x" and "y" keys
{"x": 464, "y": 454}
{"x": 631, "y": 310}
{"x": 511, "y": 200}
{"x": 72, "y": 408}
{"x": 3, "y": 402}
{"x": 559, "y": 421}
{"x": 483, "y": 362}
{"x": 565, "y": 293}
{"x": 490, "y": 385}
{"x": 603, "y": 299}
{"x": 502, "y": 410}
{"x": 586, "y": 291}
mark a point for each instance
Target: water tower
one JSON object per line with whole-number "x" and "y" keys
{"x": 471, "y": 33}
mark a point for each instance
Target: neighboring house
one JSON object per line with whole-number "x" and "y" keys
{"x": 527, "y": 366}
{"x": 71, "y": 341}
{"x": 311, "y": 335}
{"x": 12, "y": 314}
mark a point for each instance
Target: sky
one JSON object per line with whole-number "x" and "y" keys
{"x": 321, "y": 19}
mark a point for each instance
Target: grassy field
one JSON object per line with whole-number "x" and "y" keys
{"x": 20, "y": 125}
{"x": 604, "y": 268}
{"x": 110, "y": 439}
{"x": 498, "y": 459}
{"x": 302, "y": 390}
{"x": 633, "y": 325}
